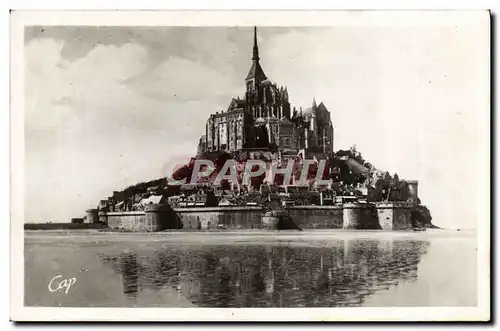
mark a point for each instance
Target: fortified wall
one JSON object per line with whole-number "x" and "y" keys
{"x": 385, "y": 216}
{"x": 394, "y": 215}
{"x": 153, "y": 218}
{"x": 316, "y": 217}
{"x": 204, "y": 218}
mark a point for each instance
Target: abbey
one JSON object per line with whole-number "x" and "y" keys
{"x": 263, "y": 119}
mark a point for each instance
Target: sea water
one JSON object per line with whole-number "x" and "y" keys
{"x": 250, "y": 269}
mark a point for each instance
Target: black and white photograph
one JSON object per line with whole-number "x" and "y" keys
{"x": 270, "y": 166}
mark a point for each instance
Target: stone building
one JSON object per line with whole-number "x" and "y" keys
{"x": 263, "y": 119}
{"x": 287, "y": 139}
{"x": 314, "y": 129}
{"x": 202, "y": 145}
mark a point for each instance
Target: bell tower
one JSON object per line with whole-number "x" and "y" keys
{"x": 256, "y": 75}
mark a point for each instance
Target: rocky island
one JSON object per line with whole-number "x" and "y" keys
{"x": 263, "y": 164}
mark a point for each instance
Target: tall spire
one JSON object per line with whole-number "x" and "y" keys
{"x": 256, "y": 74}
{"x": 255, "y": 46}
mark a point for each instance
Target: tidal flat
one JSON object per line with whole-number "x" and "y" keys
{"x": 251, "y": 268}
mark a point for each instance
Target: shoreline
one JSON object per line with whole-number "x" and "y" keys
{"x": 228, "y": 236}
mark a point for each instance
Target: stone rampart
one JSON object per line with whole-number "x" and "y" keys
{"x": 394, "y": 215}
{"x": 387, "y": 216}
{"x": 244, "y": 217}
{"x": 316, "y": 217}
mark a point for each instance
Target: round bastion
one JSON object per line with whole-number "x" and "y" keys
{"x": 92, "y": 215}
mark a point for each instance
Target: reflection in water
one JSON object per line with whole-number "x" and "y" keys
{"x": 130, "y": 274}
{"x": 340, "y": 273}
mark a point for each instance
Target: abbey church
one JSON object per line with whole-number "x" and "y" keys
{"x": 264, "y": 120}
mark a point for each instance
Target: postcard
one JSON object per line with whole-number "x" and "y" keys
{"x": 250, "y": 166}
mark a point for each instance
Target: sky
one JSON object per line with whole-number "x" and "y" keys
{"x": 107, "y": 107}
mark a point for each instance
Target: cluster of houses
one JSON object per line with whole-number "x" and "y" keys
{"x": 206, "y": 194}
{"x": 116, "y": 203}
{"x": 193, "y": 195}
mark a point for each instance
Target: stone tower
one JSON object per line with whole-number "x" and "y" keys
{"x": 256, "y": 75}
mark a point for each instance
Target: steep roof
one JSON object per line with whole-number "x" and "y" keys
{"x": 225, "y": 202}
{"x": 256, "y": 72}
{"x": 236, "y": 103}
{"x": 322, "y": 108}
{"x": 155, "y": 199}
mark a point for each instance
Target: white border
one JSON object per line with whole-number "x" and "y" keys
{"x": 242, "y": 18}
